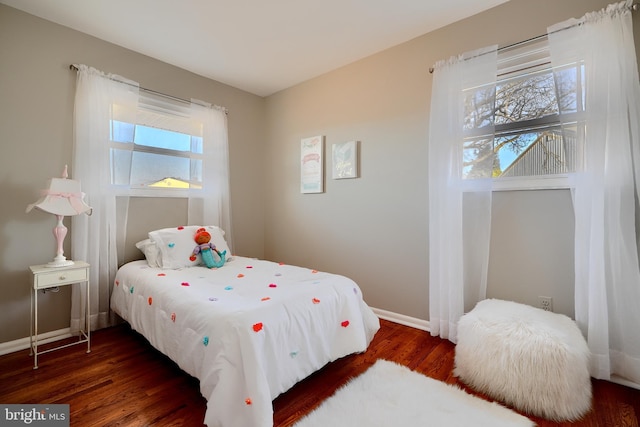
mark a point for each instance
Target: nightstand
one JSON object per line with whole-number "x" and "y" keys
{"x": 45, "y": 277}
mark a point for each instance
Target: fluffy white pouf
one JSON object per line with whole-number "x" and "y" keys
{"x": 531, "y": 359}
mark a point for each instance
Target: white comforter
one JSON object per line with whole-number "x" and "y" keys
{"x": 248, "y": 331}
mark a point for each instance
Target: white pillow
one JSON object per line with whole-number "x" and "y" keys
{"x": 177, "y": 244}
{"x": 150, "y": 251}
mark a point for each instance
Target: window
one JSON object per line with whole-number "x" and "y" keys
{"x": 156, "y": 149}
{"x": 512, "y": 131}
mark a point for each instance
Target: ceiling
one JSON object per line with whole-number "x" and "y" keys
{"x": 258, "y": 46}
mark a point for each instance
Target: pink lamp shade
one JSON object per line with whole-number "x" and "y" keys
{"x": 62, "y": 198}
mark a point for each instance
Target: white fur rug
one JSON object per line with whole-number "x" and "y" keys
{"x": 392, "y": 395}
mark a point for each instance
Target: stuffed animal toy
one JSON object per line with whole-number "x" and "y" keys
{"x": 206, "y": 249}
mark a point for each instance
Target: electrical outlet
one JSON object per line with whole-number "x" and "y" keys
{"x": 545, "y": 303}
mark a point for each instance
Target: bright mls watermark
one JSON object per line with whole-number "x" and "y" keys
{"x": 36, "y": 415}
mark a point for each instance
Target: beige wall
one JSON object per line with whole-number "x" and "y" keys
{"x": 374, "y": 228}
{"x": 36, "y": 112}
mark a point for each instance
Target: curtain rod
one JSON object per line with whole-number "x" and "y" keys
{"x": 634, "y": 7}
{"x": 154, "y": 92}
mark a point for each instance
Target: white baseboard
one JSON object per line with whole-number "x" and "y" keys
{"x": 22, "y": 343}
{"x": 625, "y": 382}
{"x": 412, "y": 322}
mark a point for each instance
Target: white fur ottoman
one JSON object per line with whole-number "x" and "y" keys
{"x": 534, "y": 360}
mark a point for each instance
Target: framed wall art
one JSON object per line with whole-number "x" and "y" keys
{"x": 312, "y": 164}
{"x": 344, "y": 156}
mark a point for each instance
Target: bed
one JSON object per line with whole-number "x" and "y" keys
{"x": 249, "y": 330}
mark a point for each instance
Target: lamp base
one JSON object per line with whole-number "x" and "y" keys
{"x": 60, "y": 232}
{"x": 60, "y": 261}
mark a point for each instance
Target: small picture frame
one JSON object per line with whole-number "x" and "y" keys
{"x": 312, "y": 164}
{"x": 344, "y": 156}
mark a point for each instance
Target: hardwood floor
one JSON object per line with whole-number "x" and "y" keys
{"x": 125, "y": 382}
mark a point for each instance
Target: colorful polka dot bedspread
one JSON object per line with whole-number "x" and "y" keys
{"x": 248, "y": 331}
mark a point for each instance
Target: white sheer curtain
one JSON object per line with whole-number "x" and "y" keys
{"x": 607, "y": 288}
{"x": 94, "y": 237}
{"x": 99, "y": 239}
{"x": 212, "y": 204}
{"x": 460, "y": 140}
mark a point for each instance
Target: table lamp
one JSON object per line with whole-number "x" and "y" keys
{"x": 62, "y": 198}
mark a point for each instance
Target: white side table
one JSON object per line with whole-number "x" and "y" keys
{"x": 45, "y": 277}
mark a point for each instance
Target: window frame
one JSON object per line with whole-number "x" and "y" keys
{"x": 515, "y": 62}
{"x": 157, "y": 105}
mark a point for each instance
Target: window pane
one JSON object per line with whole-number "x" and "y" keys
{"x": 479, "y": 159}
{"x": 479, "y": 108}
{"x": 160, "y": 138}
{"x": 545, "y": 152}
{"x": 121, "y": 131}
{"x": 196, "y": 144}
{"x": 196, "y": 173}
{"x": 120, "y": 166}
{"x": 526, "y": 98}
{"x": 570, "y": 86}
{"x": 535, "y": 153}
{"x": 148, "y": 169}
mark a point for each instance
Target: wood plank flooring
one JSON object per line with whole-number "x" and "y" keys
{"x": 124, "y": 381}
